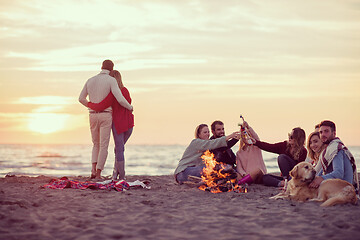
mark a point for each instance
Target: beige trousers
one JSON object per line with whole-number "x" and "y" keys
{"x": 100, "y": 127}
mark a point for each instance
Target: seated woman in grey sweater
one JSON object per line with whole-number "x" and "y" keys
{"x": 191, "y": 163}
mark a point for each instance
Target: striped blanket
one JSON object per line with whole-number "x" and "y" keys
{"x": 64, "y": 182}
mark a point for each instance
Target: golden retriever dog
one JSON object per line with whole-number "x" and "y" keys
{"x": 330, "y": 192}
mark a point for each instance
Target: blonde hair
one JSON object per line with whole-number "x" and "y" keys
{"x": 313, "y": 155}
{"x": 116, "y": 74}
{"x": 198, "y": 129}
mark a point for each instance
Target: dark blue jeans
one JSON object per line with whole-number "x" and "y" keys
{"x": 286, "y": 164}
{"x": 120, "y": 140}
{"x": 189, "y": 171}
{"x": 271, "y": 180}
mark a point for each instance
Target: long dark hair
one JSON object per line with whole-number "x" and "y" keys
{"x": 298, "y": 134}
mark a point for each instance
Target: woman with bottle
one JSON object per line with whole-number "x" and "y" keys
{"x": 249, "y": 161}
{"x": 291, "y": 152}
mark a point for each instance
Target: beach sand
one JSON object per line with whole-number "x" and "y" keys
{"x": 166, "y": 211}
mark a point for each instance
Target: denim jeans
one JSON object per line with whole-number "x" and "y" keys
{"x": 286, "y": 164}
{"x": 271, "y": 180}
{"x": 120, "y": 140}
{"x": 189, "y": 171}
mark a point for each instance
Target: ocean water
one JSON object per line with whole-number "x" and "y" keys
{"x": 75, "y": 160}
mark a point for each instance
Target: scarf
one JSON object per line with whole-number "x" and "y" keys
{"x": 329, "y": 153}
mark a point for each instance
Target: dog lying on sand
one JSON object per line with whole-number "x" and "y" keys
{"x": 330, "y": 192}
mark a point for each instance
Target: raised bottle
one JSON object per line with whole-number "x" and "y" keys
{"x": 245, "y": 133}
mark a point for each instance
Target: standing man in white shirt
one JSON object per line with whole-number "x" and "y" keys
{"x": 98, "y": 87}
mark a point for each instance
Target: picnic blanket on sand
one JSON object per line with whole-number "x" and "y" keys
{"x": 119, "y": 186}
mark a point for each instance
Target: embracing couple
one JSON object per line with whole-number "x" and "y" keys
{"x": 109, "y": 108}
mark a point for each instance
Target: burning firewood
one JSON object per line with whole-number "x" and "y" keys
{"x": 194, "y": 178}
{"x": 194, "y": 181}
{"x": 218, "y": 177}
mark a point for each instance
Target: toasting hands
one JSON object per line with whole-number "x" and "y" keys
{"x": 235, "y": 135}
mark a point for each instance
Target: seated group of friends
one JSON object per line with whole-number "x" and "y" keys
{"x": 330, "y": 157}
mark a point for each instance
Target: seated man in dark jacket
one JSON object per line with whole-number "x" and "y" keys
{"x": 224, "y": 154}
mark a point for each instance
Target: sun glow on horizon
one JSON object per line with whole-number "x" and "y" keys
{"x": 46, "y": 123}
{"x": 44, "y": 118}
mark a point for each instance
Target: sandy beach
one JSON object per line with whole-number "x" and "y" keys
{"x": 166, "y": 211}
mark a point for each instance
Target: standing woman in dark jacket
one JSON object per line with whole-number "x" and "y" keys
{"x": 290, "y": 152}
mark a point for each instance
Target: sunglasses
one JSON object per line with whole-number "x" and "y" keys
{"x": 290, "y": 136}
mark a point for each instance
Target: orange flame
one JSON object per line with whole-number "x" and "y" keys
{"x": 212, "y": 171}
{"x": 209, "y": 173}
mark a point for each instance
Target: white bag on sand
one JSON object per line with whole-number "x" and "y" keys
{"x": 131, "y": 184}
{"x": 105, "y": 182}
{"x": 138, "y": 183}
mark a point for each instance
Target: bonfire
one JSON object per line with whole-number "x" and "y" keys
{"x": 218, "y": 177}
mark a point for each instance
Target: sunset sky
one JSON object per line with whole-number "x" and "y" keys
{"x": 282, "y": 64}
